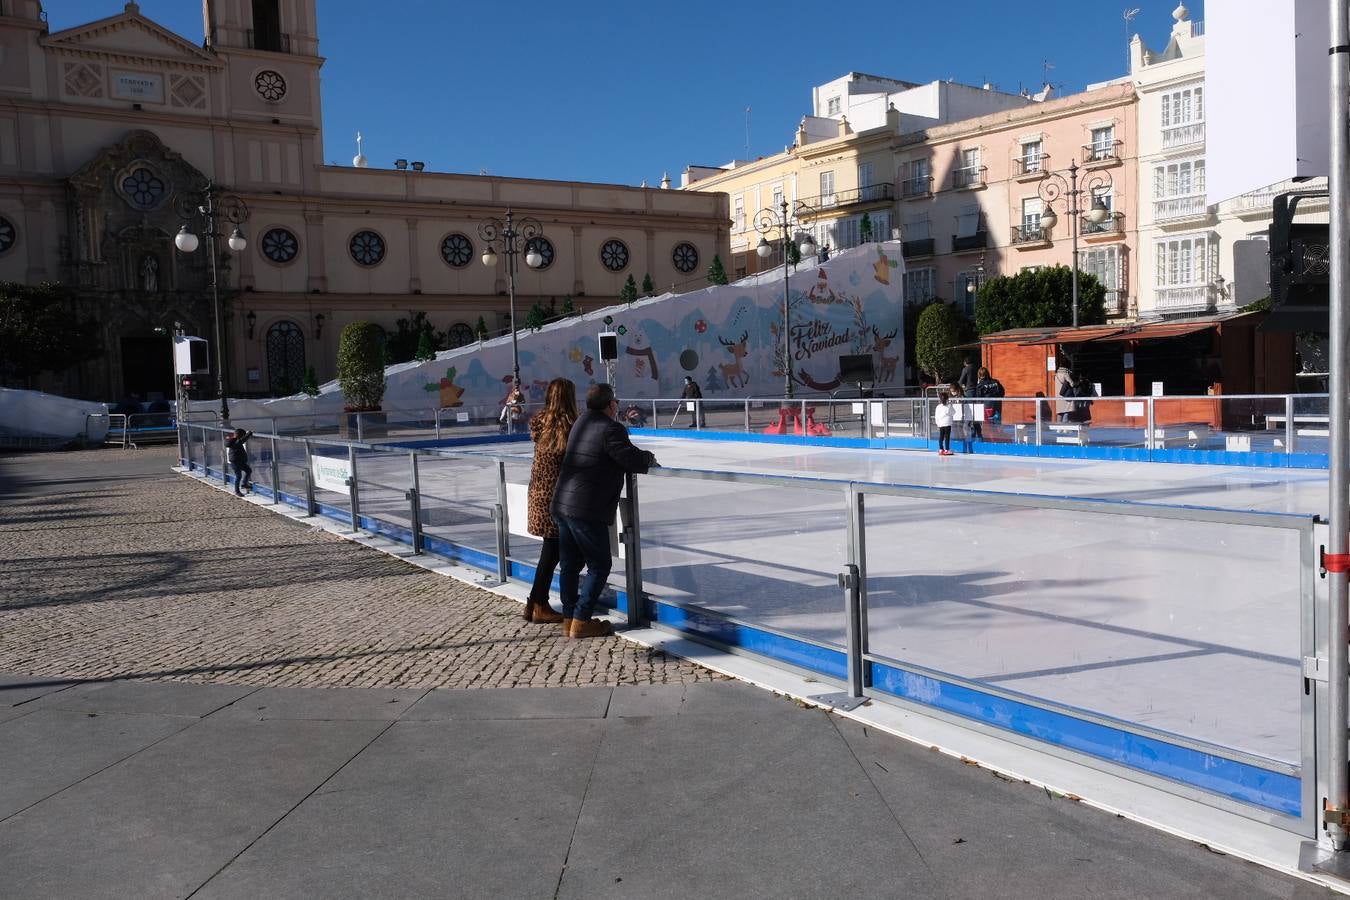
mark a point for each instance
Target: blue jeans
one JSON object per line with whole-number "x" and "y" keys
{"x": 582, "y": 542}
{"x": 243, "y": 475}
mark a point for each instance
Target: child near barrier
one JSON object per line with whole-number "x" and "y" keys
{"x": 236, "y": 449}
{"x": 942, "y": 418}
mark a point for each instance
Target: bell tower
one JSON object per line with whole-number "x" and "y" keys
{"x": 269, "y": 26}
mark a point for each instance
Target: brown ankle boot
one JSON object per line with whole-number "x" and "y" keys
{"x": 541, "y": 613}
{"x": 567, "y": 626}
{"x": 529, "y": 611}
{"x": 591, "y": 628}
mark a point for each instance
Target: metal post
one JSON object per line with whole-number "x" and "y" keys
{"x": 856, "y": 612}
{"x": 747, "y": 415}
{"x": 354, "y": 489}
{"x": 802, "y": 420}
{"x": 1290, "y": 434}
{"x": 224, "y": 459}
{"x": 276, "y": 472}
{"x": 1338, "y": 656}
{"x": 632, "y": 562}
{"x": 502, "y": 516}
{"x": 206, "y": 455}
{"x": 360, "y": 430}
{"x": 438, "y": 424}
{"x": 1149, "y": 424}
{"x": 1074, "y": 213}
{"x": 311, "y": 507}
{"x": 415, "y": 503}
{"x": 1039, "y": 416}
{"x": 787, "y": 312}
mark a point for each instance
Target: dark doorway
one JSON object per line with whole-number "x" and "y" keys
{"x": 147, "y": 368}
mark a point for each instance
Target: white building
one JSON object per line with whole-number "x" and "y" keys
{"x": 864, "y": 99}
{"x": 1185, "y": 245}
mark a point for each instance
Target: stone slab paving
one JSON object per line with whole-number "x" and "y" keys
{"x": 114, "y": 567}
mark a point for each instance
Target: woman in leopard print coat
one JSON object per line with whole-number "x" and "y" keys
{"x": 549, "y": 430}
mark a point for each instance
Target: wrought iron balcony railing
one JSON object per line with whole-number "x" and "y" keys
{"x": 1030, "y": 166}
{"x": 918, "y": 247}
{"x": 873, "y": 193}
{"x": 968, "y": 177}
{"x": 917, "y": 187}
{"x": 1029, "y": 234}
{"x": 1101, "y": 152}
{"x": 977, "y": 241}
{"x": 271, "y": 41}
{"x": 1113, "y": 224}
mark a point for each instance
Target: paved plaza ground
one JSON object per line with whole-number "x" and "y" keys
{"x": 359, "y": 727}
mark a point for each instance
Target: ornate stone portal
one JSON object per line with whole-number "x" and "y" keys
{"x": 119, "y": 256}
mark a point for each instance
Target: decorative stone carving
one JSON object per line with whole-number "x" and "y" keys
{"x": 84, "y": 79}
{"x": 187, "y": 91}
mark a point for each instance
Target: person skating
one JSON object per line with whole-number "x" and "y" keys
{"x": 987, "y": 388}
{"x": 690, "y": 392}
{"x": 584, "y": 502}
{"x": 942, "y": 418}
{"x": 237, "y": 452}
{"x": 549, "y": 430}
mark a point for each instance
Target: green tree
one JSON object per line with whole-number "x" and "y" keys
{"x": 426, "y": 349}
{"x": 480, "y": 328}
{"x": 536, "y": 317}
{"x": 865, "y": 229}
{"x": 311, "y": 385}
{"x": 568, "y": 309}
{"x": 938, "y": 332}
{"x": 717, "y": 273}
{"x": 39, "y": 331}
{"x": 629, "y": 293}
{"x": 648, "y": 289}
{"x": 360, "y": 367}
{"x": 1038, "y": 299}
{"x": 403, "y": 345}
{"x": 794, "y": 253}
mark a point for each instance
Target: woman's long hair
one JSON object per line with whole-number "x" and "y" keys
{"x": 555, "y": 420}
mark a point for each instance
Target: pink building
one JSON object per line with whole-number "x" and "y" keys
{"x": 972, "y": 194}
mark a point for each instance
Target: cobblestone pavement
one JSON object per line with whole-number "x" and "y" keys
{"x": 115, "y": 567}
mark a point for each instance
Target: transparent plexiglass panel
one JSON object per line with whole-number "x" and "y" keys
{"x": 1187, "y": 627}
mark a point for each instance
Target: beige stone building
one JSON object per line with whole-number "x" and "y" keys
{"x": 107, "y": 127}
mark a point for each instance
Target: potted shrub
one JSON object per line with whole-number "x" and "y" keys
{"x": 361, "y": 377}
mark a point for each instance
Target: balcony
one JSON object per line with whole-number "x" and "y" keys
{"x": 1173, "y": 299}
{"x": 917, "y": 247}
{"x": 912, "y": 188}
{"x": 1180, "y": 209}
{"x": 1113, "y": 226}
{"x": 1101, "y": 154}
{"x": 873, "y": 193}
{"x": 272, "y": 41}
{"x": 1027, "y": 236}
{"x": 1117, "y": 303}
{"x": 1261, "y": 204}
{"x": 968, "y": 178}
{"x": 1028, "y": 167}
{"x": 1183, "y": 135}
{"x": 977, "y": 241}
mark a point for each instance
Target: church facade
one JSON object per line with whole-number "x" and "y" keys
{"x": 110, "y": 131}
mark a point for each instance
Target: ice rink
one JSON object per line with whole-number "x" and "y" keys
{"x": 1188, "y": 627}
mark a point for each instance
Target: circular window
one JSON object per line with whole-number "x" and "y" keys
{"x": 280, "y": 245}
{"x": 459, "y": 335}
{"x": 456, "y": 250}
{"x": 685, "y": 257}
{"x": 8, "y": 234}
{"x": 367, "y": 248}
{"x": 544, "y": 248}
{"x": 614, "y": 254}
{"x": 143, "y": 188}
{"x": 269, "y": 85}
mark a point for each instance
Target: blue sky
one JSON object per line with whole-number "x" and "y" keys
{"x": 621, "y": 92}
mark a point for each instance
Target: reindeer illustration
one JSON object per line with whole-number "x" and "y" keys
{"x": 733, "y": 373}
{"x": 888, "y": 363}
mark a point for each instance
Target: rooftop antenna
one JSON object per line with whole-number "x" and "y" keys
{"x": 1047, "y": 67}
{"x": 1129, "y": 17}
{"x": 747, "y": 132}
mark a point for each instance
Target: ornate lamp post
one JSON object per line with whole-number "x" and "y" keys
{"x": 512, "y": 234}
{"x": 785, "y": 219}
{"x": 1056, "y": 185}
{"x": 212, "y": 208}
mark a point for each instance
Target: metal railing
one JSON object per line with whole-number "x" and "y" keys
{"x": 1189, "y": 297}
{"x": 917, "y": 187}
{"x": 904, "y": 629}
{"x": 1173, "y": 208}
{"x": 918, "y": 247}
{"x": 1023, "y": 166}
{"x": 964, "y": 243}
{"x": 273, "y": 41}
{"x": 128, "y": 430}
{"x": 1114, "y": 223}
{"x": 968, "y": 177}
{"x": 1102, "y": 152}
{"x": 1028, "y": 234}
{"x": 872, "y": 193}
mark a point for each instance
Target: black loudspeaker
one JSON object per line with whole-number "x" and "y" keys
{"x": 855, "y": 368}
{"x": 200, "y": 360}
{"x": 1300, "y": 269}
{"x": 609, "y": 346}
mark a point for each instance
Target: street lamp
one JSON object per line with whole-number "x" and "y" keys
{"x": 1056, "y": 185}
{"x": 785, "y": 219}
{"x": 212, "y": 208}
{"x": 510, "y": 234}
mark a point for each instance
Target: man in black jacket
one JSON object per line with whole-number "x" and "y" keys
{"x": 598, "y": 454}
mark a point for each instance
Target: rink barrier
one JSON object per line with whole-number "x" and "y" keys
{"x": 1268, "y": 790}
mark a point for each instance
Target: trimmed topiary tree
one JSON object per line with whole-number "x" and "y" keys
{"x": 648, "y": 289}
{"x": 938, "y": 333}
{"x": 865, "y": 229}
{"x": 426, "y": 349}
{"x": 361, "y": 367}
{"x": 717, "y": 273}
{"x": 568, "y": 307}
{"x": 311, "y": 385}
{"x": 1038, "y": 299}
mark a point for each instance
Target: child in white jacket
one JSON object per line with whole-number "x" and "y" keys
{"x": 942, "y": 418}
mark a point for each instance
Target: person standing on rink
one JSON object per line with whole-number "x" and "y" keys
{"x": 942, "y": 418}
